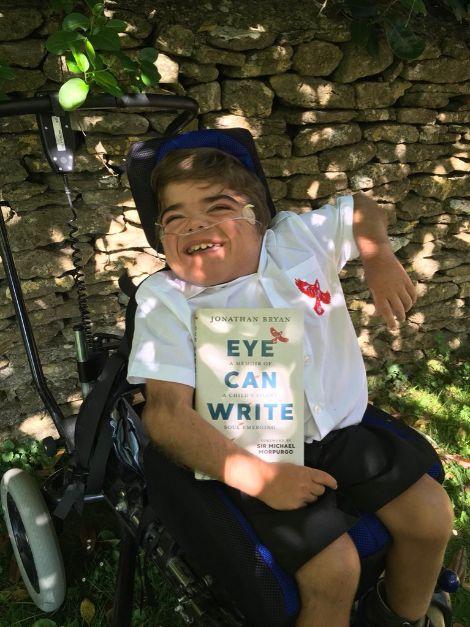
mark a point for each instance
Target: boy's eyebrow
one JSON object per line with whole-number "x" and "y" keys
{"x": 179, "y": 205}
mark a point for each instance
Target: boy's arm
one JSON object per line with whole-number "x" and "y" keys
{"x": 391, "y": 288}
{"x": 184, "y": 435}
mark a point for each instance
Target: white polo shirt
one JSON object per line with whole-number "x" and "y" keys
{"x": 300, "y": 258}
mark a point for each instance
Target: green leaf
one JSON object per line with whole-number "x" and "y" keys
{"x": 126, "y": 62}
{"x": 362, "y": 8}
{"x": 74, "y": 21}
{"x": 90, "y": 51}
{"x": 416, "y": 6}
{"x": 6, "y": 73}
{"x": 108, "y": 82}
{"x": 149, "y": 74}
{"x": 44, "y": 622}
{"x": 8, "y": 457}
{"x": 73, "y": 94}
{"x": 95, "y": 7}
{"x": 360, "y": 32}
{"x": 147, "y": 54}
{"x": 60, "y": 42}
{"x": 62, "y": 5}
{"x": 106, "y": 39}
{"x": 372, "y": 46}
{"x": 81, "y": 60}
{"x": 118, "y": 25}
{"x": 403, "y": 41}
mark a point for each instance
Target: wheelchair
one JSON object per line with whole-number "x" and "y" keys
{"x": 105, "y": 445}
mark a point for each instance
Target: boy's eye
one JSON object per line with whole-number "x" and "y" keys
{"x": 169, "y": 219}
{"x": 220, "y": 208}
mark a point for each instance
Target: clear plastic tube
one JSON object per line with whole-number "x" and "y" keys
{"x": 247, "y": 214}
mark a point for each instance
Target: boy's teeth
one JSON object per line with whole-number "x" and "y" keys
{"x": 193, "y": 249}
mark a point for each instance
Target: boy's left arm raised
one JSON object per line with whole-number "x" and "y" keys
{"x": 391, "y": 288}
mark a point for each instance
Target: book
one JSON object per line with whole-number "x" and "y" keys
{"x": 249, "y": 379}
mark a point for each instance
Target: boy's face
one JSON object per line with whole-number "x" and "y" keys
{"x": 228, "y": 249}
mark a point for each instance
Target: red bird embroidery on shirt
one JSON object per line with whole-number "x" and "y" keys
{"x": 314, "y": 291}
{"x": 277, "y": 335}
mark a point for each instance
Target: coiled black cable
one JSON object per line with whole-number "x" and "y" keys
{"x": 78, "y": 274}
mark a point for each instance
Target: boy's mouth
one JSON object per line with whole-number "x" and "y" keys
{"x": 200, "y": 247}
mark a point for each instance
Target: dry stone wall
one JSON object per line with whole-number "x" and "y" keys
{"x": 327, "y": 119}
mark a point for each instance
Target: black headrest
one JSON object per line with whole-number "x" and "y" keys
{"x": 143, "y": 157}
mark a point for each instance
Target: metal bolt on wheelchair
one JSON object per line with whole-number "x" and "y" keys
{"x": 104, "y": 442}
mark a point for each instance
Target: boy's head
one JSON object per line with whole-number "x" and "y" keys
{"x": 211, "y": 215}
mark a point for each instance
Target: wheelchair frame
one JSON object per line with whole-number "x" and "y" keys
{"x": 137, "y": 524}
{"x": 90, "y": 359}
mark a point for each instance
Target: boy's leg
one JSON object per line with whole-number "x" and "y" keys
{"x": 420, "y": 522}
{"x": 327, "y": 585}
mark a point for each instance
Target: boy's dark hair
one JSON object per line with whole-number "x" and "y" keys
{"x": 210, "y": 165}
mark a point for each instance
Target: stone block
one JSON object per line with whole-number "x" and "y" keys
{"x": 247, "y": 97}
{"x": 316, "y": 185}
{"x": 376, "y": 115}
{"x": 28, "y": 81}
{"x": 377, "y": 174}
{"x": 377, "y": 95}
{"x": 168, "y": 69}
{"x": 273, "y": 146}
{"x": 287, "y": 167}
{"x": 199, "y": 72}
{"x": 301, "y": 118}
{"x": 311, "y": 140}
{"x": 409, "y": 153}
{"x": 416, "y": 116}
{"x": 316, "y": 58}
{"x": 277, "y": 189}
{"x": 312, "y": 93}
{"x": 415, "y": 206}
{"x": 112, "y": 123}
{"x": 207, "y": 54}
{"x": 395, "y": 133}
{"x": 208, "y": 96}
{"x": 441, "y": 187}
{"x": 436, "y": 134}
{"x": 273, "y": 60}
{"x": 18, "y": 23}
{"x": 346, "y": 158}
{"x": 390, "y": 192}
{"x": 239, "y": 39}
{"x": 454, "y": 117}
{"x": 176, "y": 39}
{"x": 257, "y": 126}
{"x": 435, "y": 101}
{"x": 443, "y": 70}
{"x": 26, "y": 54}
{"x": 357, "y": 62}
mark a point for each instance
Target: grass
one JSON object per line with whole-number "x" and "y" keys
{"x": 434, "y": 397}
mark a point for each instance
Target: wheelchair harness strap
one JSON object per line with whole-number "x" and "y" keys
{"x": 93, "y": 433}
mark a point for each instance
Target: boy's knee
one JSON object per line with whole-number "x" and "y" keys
{"x": 432, "y": 517}
{"x": 334, "y": 572}
{"x": 439, "y": 515}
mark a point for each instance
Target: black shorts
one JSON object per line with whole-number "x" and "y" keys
{"x": 372, "y": 462}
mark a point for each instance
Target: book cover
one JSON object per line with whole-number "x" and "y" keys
{"x": 249, "y": 378}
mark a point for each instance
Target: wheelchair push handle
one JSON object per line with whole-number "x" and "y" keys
{"x": 48, "y": 103}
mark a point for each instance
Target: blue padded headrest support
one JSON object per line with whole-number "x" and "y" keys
{"x": 143, "y": 156}
{"x": 208, "y": 138}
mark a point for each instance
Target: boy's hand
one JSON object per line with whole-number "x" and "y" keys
{"x": 391, "y": 287}
{"x": 287, "y": 486}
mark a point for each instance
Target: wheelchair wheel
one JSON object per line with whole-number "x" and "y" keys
{"x": 34, "y": 540}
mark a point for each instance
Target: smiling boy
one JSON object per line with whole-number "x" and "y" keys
{"x": 223, "y": 251}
